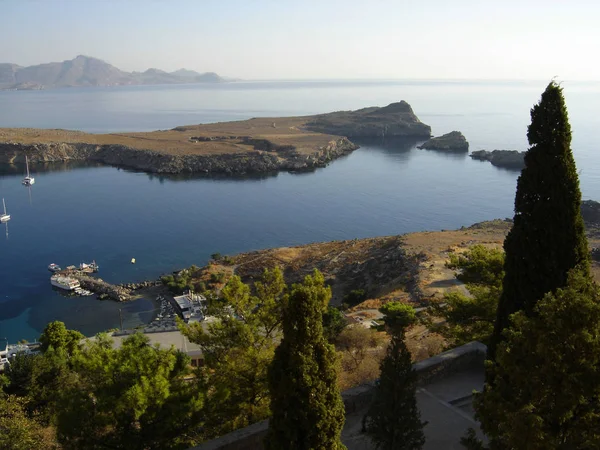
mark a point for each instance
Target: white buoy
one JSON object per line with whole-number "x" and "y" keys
{"x": 132, "y": 260}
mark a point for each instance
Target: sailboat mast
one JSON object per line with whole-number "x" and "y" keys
{"x": 4, "y": 204}
{"x": 27, "y": 164}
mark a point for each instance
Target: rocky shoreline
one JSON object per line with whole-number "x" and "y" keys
{"x": 258, "y": 161}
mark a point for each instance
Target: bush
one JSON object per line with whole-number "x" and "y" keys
{"x": 355, "y": 297}
{"x": 217, "y": 277}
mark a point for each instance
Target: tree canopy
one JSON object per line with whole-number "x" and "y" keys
{"x": 471, "y": 317}
{"x": 393, "y": 421}
{"x": 547, "y": 238}
{"x": 308, "y": 412}
{"x": 237, "y": 349}
{"x": 546, "y": 389}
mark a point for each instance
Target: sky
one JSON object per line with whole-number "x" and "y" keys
{"x": 326, "y": 39}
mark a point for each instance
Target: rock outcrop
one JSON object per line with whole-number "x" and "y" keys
{"x": 451, "y": 142}
{"x": 507, "y": 159}
{"x": 396, "y": 119}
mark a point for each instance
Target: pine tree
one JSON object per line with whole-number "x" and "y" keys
{"x": 548, "y": 237}
{"x": 308, "y": 412}
{"x": 393, "y": 420}
{"x": 546, "y": 390}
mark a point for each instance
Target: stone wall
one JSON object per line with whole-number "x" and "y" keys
{"x": 358, "y": 398}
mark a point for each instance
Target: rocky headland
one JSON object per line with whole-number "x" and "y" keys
{"x": 450, "y": 142}
{"x": 507, "y": 159}
{"x": 394, "y": 120}
{"x": 260, "y": 145}
{"x": 409, "y": 267}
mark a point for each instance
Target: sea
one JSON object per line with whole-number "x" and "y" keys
{"x": 77, "y": 212}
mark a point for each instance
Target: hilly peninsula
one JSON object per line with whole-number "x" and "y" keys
{"x": 86, "y": 71}
{"x": 259, "y": 145}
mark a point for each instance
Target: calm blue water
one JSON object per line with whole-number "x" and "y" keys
{"x": 79, "y": 212}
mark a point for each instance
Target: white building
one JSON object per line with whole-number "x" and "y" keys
{"x": 191, "y": 307}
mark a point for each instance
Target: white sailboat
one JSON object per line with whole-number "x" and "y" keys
{"x": 4, "y": 217}
{"x": 28, "y": 180}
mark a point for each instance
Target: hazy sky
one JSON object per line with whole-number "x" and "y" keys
{"x": 254, "y": 39}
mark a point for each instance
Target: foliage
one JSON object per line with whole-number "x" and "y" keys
{"x": 468, "y": 318}
{"x": 20, "y": 432}
{"x": 179, "y": 282}
{"x": 334, "y": 322}
{"x": 355, "y": 297}
{"x": 547, "y": 238}
{"x": 19, "y": 373}
{"x": 360, "y": 351}
{"x": 216, "y": 256}
{"x": 57, "y": 336}
{"x": 50, "y": 375}
{"x": 217, "y": 277}
{"x": 545, "y": 392}
{"x": 308, "y": 412}
{"x": 479, "y": 265}
{"x": 393, "y": 420}
{"x": 237, "y": 350}
{"x": 471, "y": 441}
{"x": 397, "y": 317}
{"x": 133, "y": 397}
{"x": 471, "y": 317}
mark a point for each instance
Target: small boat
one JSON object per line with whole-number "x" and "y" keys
{"x": 132, "y": 260}
{"x": 54, "y": 267}
{"x": 4, "y": 217}
{"x": 28, "y": 180}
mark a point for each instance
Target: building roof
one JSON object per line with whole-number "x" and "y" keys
{"x": 165, "y": 339}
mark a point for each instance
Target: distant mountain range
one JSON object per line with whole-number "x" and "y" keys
{"x": 87, "y": 71}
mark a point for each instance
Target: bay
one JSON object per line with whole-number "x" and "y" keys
{"x": 81, "y": 211}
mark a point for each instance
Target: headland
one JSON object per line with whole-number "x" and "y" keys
{"x": 258, "y": 145}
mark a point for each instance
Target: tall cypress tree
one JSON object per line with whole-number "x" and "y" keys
{"x": 308, "y": 412}
{"x": 548, "y": 237}
{"x": 393, "y": 420}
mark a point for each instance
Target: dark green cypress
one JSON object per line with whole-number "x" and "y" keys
{"x": 548, "y": 237}
{"x": 393, "y": 421}
{"x": 307, "y": 407}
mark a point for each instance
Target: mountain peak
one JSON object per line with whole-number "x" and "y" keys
{"x": 86, "y": 70}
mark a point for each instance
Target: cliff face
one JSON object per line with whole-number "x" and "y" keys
{"x": 257, "y": 161}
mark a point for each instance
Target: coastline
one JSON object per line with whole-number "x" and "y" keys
{"x": 259, "y": 145}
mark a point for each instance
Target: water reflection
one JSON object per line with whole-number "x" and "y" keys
{"x": 395, "y": 144}
{"x": 47, "y": 167}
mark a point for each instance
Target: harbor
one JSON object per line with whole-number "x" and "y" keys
{"x": 69, "y": 279}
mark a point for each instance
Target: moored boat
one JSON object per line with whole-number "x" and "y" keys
{"x": 28, "y": 180}
{"x": 54, "y": 267}
{"x": 4, "y": 217}
{"x": 63, "y": 282}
